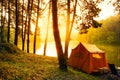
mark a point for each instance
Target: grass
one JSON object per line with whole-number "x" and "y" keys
{"x": 34, "y": 67}
{"x": 24, "y": 66}
{"x": 112, "y": 53}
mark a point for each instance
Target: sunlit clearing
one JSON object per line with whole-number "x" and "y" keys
{"x": 50, "y": 50}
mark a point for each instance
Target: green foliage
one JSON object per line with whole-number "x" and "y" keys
{"x": 96, "y": 24}
{"x": 88, "y": 11}
{"x": 112, "y": 53}
{"x": 107, "y": 34}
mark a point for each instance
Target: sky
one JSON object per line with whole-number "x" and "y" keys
{"x": 107, "y": 10}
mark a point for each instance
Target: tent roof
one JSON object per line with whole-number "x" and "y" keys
{"x": 92, "y": 48}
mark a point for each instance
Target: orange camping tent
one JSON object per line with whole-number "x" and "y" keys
{"x": 88, "y": 58}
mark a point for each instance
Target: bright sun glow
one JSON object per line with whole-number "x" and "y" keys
{"x": 107, "y": 10}
{"x": 51, "y": 51}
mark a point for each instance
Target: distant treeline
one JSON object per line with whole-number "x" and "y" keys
{"x": 109, "y": 33}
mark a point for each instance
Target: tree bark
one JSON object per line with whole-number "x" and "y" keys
{"x": 28, "y": 27}
{"x": 29, "y": 24}
{"x": 46, "y": 37}
{"x": 23, "y": 25}
{"x": 61, "y": 58}
{"x": 2, "y": 22}
{"x": 8, "y": 36}
{"x": 67, "y": 30}
{"x": 16, "y": 28}
{"x": 36, "y": 28}
{"x": 72, "y": 19}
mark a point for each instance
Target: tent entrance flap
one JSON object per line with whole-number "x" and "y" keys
{"x": 84, "y": 60}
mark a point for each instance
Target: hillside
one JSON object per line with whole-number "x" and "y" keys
{"x": 16, "y": 65}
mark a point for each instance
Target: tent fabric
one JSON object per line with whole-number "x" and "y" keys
{"x": 92, "y": 48}
{"x": 88, "y": 58}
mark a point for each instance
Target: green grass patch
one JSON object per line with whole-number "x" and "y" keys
{"x": 35, "y": 67}
{"x": 24, "y": 66}
{"x": 112, "y": 53}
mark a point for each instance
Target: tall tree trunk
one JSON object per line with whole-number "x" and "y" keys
{"x": 36, "y": 28}
{"x": 46, "y": 37}
{"x": 16, "y": 28}
{"x": 23, "y": 29}
{"x": 72, "y": 20}
{"x": 29, "y": 25}
{"x": 61, "y": 58}
{"x": 8, "y": 36}
{"x": 67, "y": 30}
{"x": 2, "y": 20}
{"x": 26, "y": 24}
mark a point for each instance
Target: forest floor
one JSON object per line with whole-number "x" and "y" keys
{"x": 17, "y": 65}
